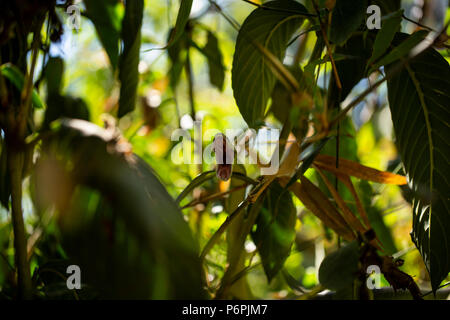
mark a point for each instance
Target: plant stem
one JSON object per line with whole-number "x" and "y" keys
{"x": 15, "y": 163}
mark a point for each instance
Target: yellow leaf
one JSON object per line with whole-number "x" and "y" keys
{"x": 357, "y": 170}
{"x": 314, "y": 199}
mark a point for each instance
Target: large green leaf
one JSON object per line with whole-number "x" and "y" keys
{"x": 129, "y": 59}
{"x": 275, "y": 229}
{"x": 106, "y": 18}
{"x": 82, "y": 167}
{"x": 347, "y": 16}
{"x": 419, "y": 100}
{"x": 252, "y": 78}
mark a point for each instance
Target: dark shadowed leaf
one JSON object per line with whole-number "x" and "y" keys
{"x": 419, "y": 100}
{"x": 376, "y": 218}
{"x": 182, "y": 19}
{"x": 105, "y": 16}
{"x": 346, "y": 17}
{"x": 59, "y": 106}
{"x": 215, "y": 61}
{"x": 54, "y": 74}
{"x": 350, "y": 71}
{"x": 390, "y": 25}
{"x": 275, "y": 229}
{"x": 338, "y": 270}
{"x": 388, "y": 6}
{"x": 177, "y": 56}
{"x": 135, "y": 244}
{"x": 129, "y": 59}
{"x": 252, "y": 77}
{"x": 401, "y": 50}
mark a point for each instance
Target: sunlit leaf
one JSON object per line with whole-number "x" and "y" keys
{"x": 319, "y": 204}
{"x": 13, "y": 74}
{"x": 252, "y": 78}
{"x": 355, "y": 169}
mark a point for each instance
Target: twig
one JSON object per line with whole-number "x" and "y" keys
{"x": 214, "y": 196}
{"x": 417, "y": 23}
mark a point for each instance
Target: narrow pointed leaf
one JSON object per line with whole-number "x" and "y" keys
{"x": 357, "y": 170}
{"x": 129, "y": 59}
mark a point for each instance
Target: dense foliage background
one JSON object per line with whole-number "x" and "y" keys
{"x": 87, "y": 176}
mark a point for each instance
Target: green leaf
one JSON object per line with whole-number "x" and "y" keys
{"x": 129, "y": 59}
{"x": 252, "y": 78}
{"x": 401, "y": 50}
{"x": 388, "y": 6}
{"x": 105, "y": 16}
{"x": 236, "y": 235}
{"x": 418, "y": 99}
{"x": 338, "y": 270}
{"x": 376, "y": 218}
{"x": 13, "y": 74}
{"x": 54, "y": 70}
{"x": 182, "y": 19}
{"x": 59, "y": 106}
{"x": 177, "y": 56}
{"x": 281, "y": 97}
{"x": 137, "y": 215}
{"x": 346, "y": 18}
{"x": 215, "y": 61}
{"x": 197, "y": 181}
{"x": 390, "y": 26}
{"x": 275, "y": 229}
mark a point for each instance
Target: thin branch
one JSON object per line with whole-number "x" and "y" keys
{"x": 214, "y": 196}
{"x": 417, "y": 23}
